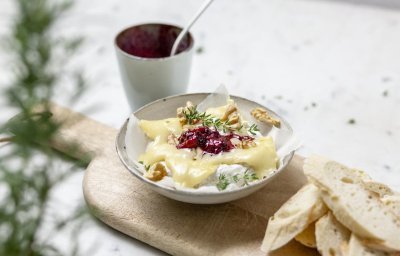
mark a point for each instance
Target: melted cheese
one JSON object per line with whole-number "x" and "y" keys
{"x": 189, "y": 172}
{"x": 261, "y": 158}
{"x": 161, "y": 128}
{"x": 219, "y": 112}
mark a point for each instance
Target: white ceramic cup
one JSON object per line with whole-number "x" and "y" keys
{"x": 148, "y": 72}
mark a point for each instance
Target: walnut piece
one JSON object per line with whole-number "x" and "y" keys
{"x": 180, "y": 112}
{"x": 156, "y": 172}
{"x": 229, "y": 110}
{"x": 244, "y": 144}
{"x": 262, "y": 115}
{"x": 234, "y": 119}
{"x": 248, "y": 144}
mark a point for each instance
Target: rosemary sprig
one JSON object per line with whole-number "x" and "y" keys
{"x": 38, "y": 58}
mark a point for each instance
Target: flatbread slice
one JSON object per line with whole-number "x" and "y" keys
{"x": 357, "y": 248}
{"x": 378, "y": 188}
{"x": 293, "y": 217}
{"x": 330, "y": 235}
{"x": 307, "y": 237}
{"x": 393, "y": 202}
{"x": 357, "y": 208}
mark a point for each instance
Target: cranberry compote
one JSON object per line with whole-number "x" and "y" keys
{"x": 209, "y": 140}
{"x": 151, "y": 40}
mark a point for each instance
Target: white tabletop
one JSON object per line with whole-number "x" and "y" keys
{"x": 318, "y": 63}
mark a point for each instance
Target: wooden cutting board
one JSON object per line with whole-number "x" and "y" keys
{"x": 121, "y": 201}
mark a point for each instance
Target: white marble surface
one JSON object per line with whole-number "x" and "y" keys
{"x": 319, "y": 63}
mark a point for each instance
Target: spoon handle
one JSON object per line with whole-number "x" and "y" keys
{"x": 186, "y": 29}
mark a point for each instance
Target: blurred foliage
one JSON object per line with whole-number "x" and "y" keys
{"x": 26, "y": 180}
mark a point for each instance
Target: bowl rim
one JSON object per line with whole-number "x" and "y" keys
{"x": 136, "y": 173}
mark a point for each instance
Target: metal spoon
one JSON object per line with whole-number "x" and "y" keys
{"x": 184, "y": 31}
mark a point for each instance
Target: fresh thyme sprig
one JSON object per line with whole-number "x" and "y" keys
{"x": 253, "y": 129}
{"x": 193, "y": 116}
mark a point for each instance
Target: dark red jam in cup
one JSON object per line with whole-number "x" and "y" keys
{"x": 152, "y": 40}
{"x": 209, "y": 140}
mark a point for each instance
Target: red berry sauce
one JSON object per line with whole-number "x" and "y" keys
{"x": 209, "y": 140}
{"x": 151, "y": 40}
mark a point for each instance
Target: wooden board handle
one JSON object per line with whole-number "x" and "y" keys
{"x": 78, "y": 129}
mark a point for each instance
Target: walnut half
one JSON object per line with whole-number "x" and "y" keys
{"x": 262, "y": 115}
{"x": 156, "y": 172}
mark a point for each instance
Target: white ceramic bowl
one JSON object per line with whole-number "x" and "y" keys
{"x": 166, "y": 107}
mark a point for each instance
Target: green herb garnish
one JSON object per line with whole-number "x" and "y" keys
{"x": 193, "y": 116}
{"x": 223, "y": 182}
{"x": 249, "y": 177}
{"x": 253, "y": 129}
{"x": 146, "y": 167}
{"x": 235, "y": 178}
